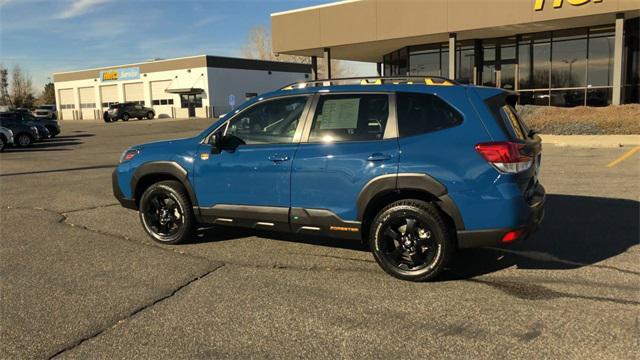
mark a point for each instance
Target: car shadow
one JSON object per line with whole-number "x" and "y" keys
{"x": 58, "y": 143}
{"x": 577, "y": 231}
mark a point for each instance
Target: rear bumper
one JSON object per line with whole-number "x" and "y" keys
{"x": 127, "y": 203}
{"x": 492, "y": 237}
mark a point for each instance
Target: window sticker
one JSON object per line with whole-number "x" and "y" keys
{"x": 339, "y": 114}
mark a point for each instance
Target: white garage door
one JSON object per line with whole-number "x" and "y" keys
{"x": 67, "y": 103}
{"x": 87, "y": 103}
{"x": 133, "y": 92}
{"x": 157, "y": 90}
{"x": 109, "y": 95}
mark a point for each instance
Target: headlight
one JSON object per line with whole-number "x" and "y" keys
{"x": 129, "y": 154}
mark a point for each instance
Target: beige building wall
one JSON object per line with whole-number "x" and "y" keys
{"x": 364, "y": 30}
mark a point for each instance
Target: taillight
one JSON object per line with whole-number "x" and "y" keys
{"x": 505, "y": 156}
{"x": 512, "y": 236}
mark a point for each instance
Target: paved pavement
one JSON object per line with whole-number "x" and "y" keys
{"x": 80, "y": 279}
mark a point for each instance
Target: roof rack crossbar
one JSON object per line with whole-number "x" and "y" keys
{"x": 373, "y": 80}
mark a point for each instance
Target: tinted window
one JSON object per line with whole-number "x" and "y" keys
{"x": 272, "y": 122}
{"x": 422, "y": 113}
{"x": 350, "y": 118}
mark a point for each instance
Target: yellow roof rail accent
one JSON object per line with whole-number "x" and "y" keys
{"x": 368, "y": 82}
{"x": 429, "y": 81}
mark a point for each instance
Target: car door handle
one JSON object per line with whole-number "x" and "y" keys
{"x": 378, "y": 157}
{"x": 278, "y": 158}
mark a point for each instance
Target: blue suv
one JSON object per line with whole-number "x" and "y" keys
{"x": 416, "y": 167}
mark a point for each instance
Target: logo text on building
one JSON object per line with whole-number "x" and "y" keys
{"x": 132, "y": 73}
{"x": 539, "y": 4}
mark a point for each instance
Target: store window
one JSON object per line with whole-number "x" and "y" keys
{"x": 429, "y": 60}
{"x": 569, "y": 64}
{"x": 465, "y": 62}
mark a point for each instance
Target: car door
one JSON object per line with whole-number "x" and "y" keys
{"x": 350, "y": 140}
{"x": 251, "y": 184}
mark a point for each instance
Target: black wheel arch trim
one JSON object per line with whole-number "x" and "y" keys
{"x": 170, "y": 168}
{"x": 409, "y": 181}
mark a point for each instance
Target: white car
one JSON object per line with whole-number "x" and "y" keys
{"x": 6, "y": 138}
{"x": 46, "y": 112}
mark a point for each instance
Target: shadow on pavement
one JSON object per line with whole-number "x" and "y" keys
{"x": 577, "y": 231}
{"x": 58, "y": 143}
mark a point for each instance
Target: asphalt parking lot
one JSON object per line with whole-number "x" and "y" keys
{"x": 80, "y": 279}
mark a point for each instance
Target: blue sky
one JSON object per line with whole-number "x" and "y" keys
{"x": 58, "y": 35}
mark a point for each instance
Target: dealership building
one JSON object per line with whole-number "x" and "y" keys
{"x": 197, "y": 86}
{"x": 553, "y": 52}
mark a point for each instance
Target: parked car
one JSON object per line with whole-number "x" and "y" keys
{"x": 128, "y": 110}
{"x": 6, "y": 138}
{"x": 23, "y": 135}
{"x": 52, "y": 125}
{"x": 416, "y": 167}
{"x": 48, "y": 111}
{"x": 28, "y": 119}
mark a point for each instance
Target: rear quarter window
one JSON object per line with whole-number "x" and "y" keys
{"x": 424, "y": 113}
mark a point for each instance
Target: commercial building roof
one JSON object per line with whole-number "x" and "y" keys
{"x": 188, "y": 63}
{"x": 365, "y": 30}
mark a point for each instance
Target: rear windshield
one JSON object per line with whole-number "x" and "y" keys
{"x": 114, "y": 106}
{"x": 503, "y": 108}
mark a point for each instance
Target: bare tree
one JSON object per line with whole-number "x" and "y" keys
{"x": 4, "y": 86}
{"x": 21, "y": 88}
{"x": 258, "y": 46}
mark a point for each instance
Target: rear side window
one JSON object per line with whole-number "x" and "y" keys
{"x": 424, "y": 113}
{"x": 357, "y": 117}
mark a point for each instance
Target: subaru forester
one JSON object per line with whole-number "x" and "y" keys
{"x": 415, "y": 167}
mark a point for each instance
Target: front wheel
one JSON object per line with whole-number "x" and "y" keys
{"x": 150, "y": 115}
{"x": 3, "y": 143}
{"x": 166, "y": 213}
{"x": 24, "y": 140}
{"x": 125, "y": 117}
{"x": 410, "y": 240}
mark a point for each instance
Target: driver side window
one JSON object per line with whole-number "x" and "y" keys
{"x": 272, "y": 122}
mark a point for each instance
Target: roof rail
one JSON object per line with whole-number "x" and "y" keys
{"x": 374, "y": 80}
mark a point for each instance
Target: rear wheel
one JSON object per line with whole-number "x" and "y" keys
{"x": 24, "y": 140}
{"x": 410, "y": 241}
{"x": 150, "y": 115}
{"x": 125, "y": 117}
{"x": 166, "y": 212}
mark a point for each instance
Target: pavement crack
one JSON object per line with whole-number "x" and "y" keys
{"x": 89, "y": 208}
{"x": 133, "y": 312}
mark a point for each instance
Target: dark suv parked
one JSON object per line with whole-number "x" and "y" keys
{"x": 128, "y": 110}
{"x": 417, "y": 167}
{"x": 23, "y": 135}
{"x": 52, "y": 125}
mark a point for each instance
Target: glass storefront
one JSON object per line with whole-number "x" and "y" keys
{"x": 567, "y": 68}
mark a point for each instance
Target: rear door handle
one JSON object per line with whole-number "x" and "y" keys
{"x": 378, "y": 157}
{"x": 278, "y": 158}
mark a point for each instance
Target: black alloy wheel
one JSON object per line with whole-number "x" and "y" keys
{"x": 410, "y": 241}
{"x": 150, "y": 115}
{"x": 125, "y": 117}
{"x": 165, "y": 212}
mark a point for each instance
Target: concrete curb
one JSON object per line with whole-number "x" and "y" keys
{"x": 592, "y": 141}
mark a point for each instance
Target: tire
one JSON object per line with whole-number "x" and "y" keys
{"x": 51, "y": 131}
{"x": 150, "y": 115}
{"x": 175, "y": 224}
{"x": 24, "y": 140}
{"x": 125, "y": 117}
{"x": 414, "y": 255}
{"x": 3, "y": 143}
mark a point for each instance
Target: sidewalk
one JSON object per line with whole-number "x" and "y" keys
{"x": 593, "y": 141}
